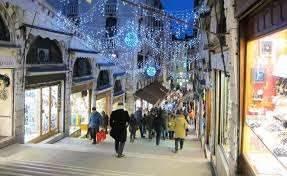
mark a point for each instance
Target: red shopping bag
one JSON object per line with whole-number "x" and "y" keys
{"x": 101, "y": 136}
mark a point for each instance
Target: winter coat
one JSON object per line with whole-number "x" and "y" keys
{"x": 180, "y": 126}
{"x": 171, "y": 124}
{"x": 149, "y": 122}
{"x": 158, "y": 124}
{"x": 133, "y": 125}
{"x": 95, "y": 120}
{"x": 119, "y": 122}
{"x": 139, "y": 116}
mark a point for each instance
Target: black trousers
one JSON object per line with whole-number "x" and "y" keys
{"x": 170, "y": 134}
{"x": 119, "y": 147}
{"x": 142, "y": 130}
{"x": 93, "y": 132}
{"x": 176, "y": 143}
{"x": 132, "y": 135}
{"x": 150, "y": 135}
{"x": 158, "y": 135}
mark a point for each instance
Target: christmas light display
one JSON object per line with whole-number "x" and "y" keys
{"x": 136, "y": 29}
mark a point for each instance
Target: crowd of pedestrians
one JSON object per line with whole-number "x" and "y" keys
{"x": 157, "y": 123}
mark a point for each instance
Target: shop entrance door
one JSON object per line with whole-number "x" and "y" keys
{"x": 41, "y": 112}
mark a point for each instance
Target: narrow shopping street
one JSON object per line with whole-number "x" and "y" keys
{"x": 73, "y": 156}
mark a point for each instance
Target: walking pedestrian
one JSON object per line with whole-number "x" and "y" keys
{"x": 133, "y": 128}
{"x": 105, "y": 121}
{"x": 171, "y": 126}
{"x": 95, "y": 121}
{"x": 180, "y": 126}
{"x": 119, "y": 122}
{"x": 149, "y": 124}
{"x": 158, "y": 127}
{"x": 139, "y": 117}
{"x": 164, "y": 117}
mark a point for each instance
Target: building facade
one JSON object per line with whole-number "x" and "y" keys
{"x": 262, "y": 33}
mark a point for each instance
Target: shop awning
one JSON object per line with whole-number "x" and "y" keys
{"x": 119, "y": 73}
{"x": 46, "y": 70}
{"x": 104, "y": 62}
{"x": 82, "y": 49}
{"x": 152, "y": 93}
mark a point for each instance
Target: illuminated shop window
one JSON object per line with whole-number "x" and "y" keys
{"x": 41, "y": 112}
{"x": 265, "y": 129}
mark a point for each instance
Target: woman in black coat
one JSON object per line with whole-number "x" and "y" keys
{"x": 119, "y": 122}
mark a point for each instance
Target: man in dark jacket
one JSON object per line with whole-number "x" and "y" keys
{"x": 158, "y": 127}
{"x": 139, "y": 117}
{"x": 119, "y": 122}
{"x": 94, "y": 124}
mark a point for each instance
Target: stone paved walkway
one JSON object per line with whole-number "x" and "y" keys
{"x": 143, "y": 158}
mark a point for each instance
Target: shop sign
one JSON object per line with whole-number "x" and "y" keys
{"x": 217, "y": 63}
{"x": 7, "y": 62}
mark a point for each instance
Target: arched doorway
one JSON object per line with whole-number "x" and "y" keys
{"x": 44, "y": 51}
{"x": 81, "y": 97}
{"x": 103, "y": 80}
{"x": 43, "y": 94}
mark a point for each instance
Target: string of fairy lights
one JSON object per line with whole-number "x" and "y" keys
{"x": 138, "y": 28}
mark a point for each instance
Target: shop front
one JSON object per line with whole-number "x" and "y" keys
{"x": 264, "y": 101}
{"x": 7, "y": 70}
{"x": 44, "y": 90}
{"x": 81, "y": 97}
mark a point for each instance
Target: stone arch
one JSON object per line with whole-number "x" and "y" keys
{"x": 44, "y": 51}
{"x": 7, "y": 25}
{"x": 103, "y": 79}
{"x": 82, "y": 67}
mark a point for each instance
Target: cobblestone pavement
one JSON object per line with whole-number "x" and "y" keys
{"x": 73, "y": 155}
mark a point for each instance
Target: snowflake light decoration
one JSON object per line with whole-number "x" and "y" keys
{"x": 151, "y": 71}
{"x": 131, "y": 39}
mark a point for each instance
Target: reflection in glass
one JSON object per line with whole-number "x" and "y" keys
{"x": 32, "y": 114}
{"x": 45, "y": 109}
{"x": 54, "y": 106}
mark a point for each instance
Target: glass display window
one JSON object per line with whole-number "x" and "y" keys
{"x": 41, "y": 112}
{"x": 265, "y": 127}
{"x": 54, "y": 107}
{"x": 224, "y": 121}
{"x": 32, "y": 114}
{"x": 101, "y": 105}
{"x": 222, "y": 111}
{"x": 80, "y": 106}
{"x": 45, "y": 110}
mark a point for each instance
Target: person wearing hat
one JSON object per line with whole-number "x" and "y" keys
{"x": 94, "y": 124}
{"x": 179, "y": 129}
{"x": 119, "y": 122}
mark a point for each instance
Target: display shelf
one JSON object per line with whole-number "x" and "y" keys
{"x": 270, "y": 139}
{"x": 265, "y": 164}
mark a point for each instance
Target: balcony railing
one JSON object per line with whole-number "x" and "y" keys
{"x": 111, "y": 9}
